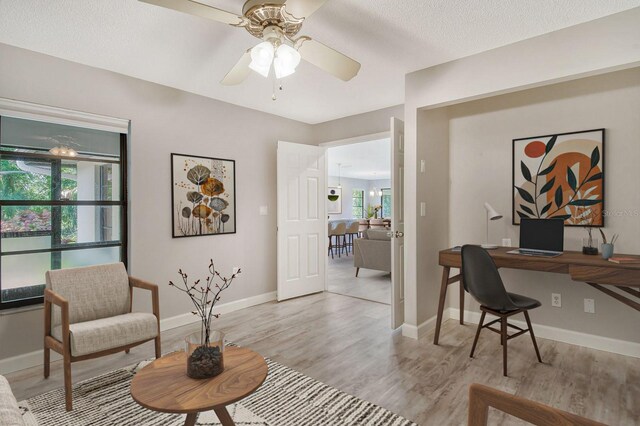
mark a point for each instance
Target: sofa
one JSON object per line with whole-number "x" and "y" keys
{"x": 373, "y": 251}
{"x": 10, "y": 413}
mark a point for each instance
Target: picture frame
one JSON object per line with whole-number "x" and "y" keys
{"x": 203, "y": 196}
{"x": 560, "y": 176}
{"x": 334, "y": 200}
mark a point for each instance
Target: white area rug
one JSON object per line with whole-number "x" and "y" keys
{"x": 287, "y": 398}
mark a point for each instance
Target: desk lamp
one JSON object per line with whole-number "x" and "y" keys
{"x": 492, "y": 214}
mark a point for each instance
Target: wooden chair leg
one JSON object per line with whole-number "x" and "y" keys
{"x": 331, "y": 247}
{"x": 357, "y": 270}
{"x": 475, "y": 340}
{"x": 533, "y": 337}
{"x": 503, "y": 335}
{"x": 47, "y": 362}
{"x": 67, "y": 381}
{"x": 157, "y": 342}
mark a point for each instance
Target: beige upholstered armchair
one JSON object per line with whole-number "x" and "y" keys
{"x": 87, "y": 314}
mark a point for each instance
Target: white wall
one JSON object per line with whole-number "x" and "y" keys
{"x": 164, "y": 120}
{"x": 480, "y": 135}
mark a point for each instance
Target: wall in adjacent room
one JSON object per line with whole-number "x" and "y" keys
{"x": 480, "y": 139}
{"x": 164, "y": 120}
{"x": 348, "y": 185}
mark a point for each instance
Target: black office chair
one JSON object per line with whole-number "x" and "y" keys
{"x": 481, "y": 279}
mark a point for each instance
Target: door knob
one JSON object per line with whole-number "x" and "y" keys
{"x": 396, "y": 234}
{"x": 399, "y": 234}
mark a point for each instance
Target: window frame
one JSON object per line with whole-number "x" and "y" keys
{"x": 57, "y": 204}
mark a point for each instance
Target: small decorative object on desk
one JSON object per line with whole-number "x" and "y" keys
{"x": 625, "y": 260}
{"x": 589, "y": 243}
{"x": 607, "y": 246}
{"x": 205, "y": 349}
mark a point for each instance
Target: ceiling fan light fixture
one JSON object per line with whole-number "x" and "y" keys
{"x": 286, "y": 60}
{"x": 261, "y": 58}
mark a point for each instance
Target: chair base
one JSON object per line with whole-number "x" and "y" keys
{"x": 504, "y": 336}
{"x": 52, "y": 343}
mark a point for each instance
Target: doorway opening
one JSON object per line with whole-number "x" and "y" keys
{"x": 359, "y": 211}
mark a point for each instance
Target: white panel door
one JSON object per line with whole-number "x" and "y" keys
{"x": 397, "y": 222}
{"x": 301, "y": 219}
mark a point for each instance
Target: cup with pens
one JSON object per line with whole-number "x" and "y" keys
{"x": 607, "y": 245}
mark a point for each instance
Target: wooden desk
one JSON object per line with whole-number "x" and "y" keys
{"x": 593, "y": 270}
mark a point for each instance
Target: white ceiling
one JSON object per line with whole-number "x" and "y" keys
{"x": 365, "y": 160}
{"x": 389, "y": 38}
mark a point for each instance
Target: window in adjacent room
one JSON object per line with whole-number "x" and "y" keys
{"x": 57, "y": 211}
{"x": 385, "y": 202}
{"x": 358, "y": 203}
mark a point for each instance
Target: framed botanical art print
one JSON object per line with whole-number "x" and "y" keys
{"x": 334, "y": 200}
{"x": 203, "y": 196}
{"x": 560, "y": 177}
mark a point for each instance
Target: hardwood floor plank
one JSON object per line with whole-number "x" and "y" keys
{"x": 346, "y": 342}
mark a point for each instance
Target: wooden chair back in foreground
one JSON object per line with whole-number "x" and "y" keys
{"x": 482, "y": 397}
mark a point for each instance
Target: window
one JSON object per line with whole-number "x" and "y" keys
{"x": 57, "y": 211}
{"x": 358, "y": 203}
{"x": 385, "y": 202}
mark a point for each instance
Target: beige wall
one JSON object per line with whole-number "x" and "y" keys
{"x": 164, "y": 120}
{"x": 592, "y": 48}
{"x": 357, "y": 125}
{"x": 480, "y": 135}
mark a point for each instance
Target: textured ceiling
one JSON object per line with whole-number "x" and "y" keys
{"x": 389, "y": 38}
{"x": 365, "y": 160}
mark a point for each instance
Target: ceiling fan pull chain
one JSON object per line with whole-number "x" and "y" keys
{"x": 273, "y": 89}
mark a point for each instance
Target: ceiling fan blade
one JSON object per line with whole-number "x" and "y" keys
{"x": 239, "y": 72}
{"x": 199, "y": 9}
{"x": 302, "y": 8}
{"x": 326, "y": 58}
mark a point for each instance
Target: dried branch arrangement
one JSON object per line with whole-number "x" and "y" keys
{"x": 204, "y": 297}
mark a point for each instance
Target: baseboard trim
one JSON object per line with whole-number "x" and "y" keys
{"x": 591, "y": 341}
{"x": 225, "y": 308}
{"x": 35, "y": 358}
{"x": 416, "y": 332}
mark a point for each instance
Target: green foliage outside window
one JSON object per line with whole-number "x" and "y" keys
{"x": 18, "y": 184}
{"x": 357, "y": 196}
{"x": 385, "y": 202}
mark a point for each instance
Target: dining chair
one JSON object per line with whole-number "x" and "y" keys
{"x": 481, "y": 279}
{"x": 363, "y": 225}
{"x": 352, "y": 232}
{"x": 376, "y": 223}
{"x": 338, "y": 239}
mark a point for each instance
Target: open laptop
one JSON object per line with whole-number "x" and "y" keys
{"x": 541, "y": 237}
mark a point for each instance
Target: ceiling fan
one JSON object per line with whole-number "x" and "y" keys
{"x": 277, "y": 23}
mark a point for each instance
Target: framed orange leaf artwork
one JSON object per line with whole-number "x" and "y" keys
{"x": 560, "y": 176}
{"x": 203, "y": 196}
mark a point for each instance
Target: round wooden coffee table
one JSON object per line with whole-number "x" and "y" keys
{"x": 164, "y": 385}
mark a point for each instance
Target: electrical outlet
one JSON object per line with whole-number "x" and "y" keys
{"x": 556, "y": 300}
{"x": 589, "y": 306}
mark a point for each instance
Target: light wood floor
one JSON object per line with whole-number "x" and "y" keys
{"x": 346, "y": 343}
{"x": 369, "y": 285}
